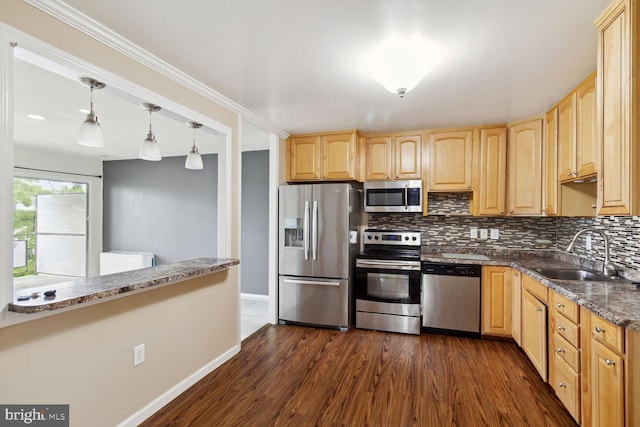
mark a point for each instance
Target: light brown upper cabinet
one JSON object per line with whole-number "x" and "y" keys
{"x": 492, "y": 172}
{"x": 550, "y": 163}
{"x": 567, "y": 138}
{"x": 577, "y": 149}
{"x": 618, "y": 109}
{"x": 524, "y": 168}
{"x": 393, "y": 157}
{"x": 330, "y": 156}
{"x": 586, "y": 128}
{"x": 450, "y": 156}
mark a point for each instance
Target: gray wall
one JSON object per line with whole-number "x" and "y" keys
{"x": 161, "y": 207}
{"x": 254, "y": 266}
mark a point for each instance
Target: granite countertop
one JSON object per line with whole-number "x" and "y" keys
{"x": 89, "y": 289}
{"x": 617, "y": 301}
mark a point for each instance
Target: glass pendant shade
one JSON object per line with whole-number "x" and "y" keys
{"x": 150, "y": 150}
{"x": 194, "y": 159}
{"x": 90, "y": 133}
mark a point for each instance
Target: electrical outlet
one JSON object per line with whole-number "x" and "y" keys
{"x": 473, "y": 233}
{"x": 495, "y": 234}
{"x": 587, "y": 242}
{"x": 483, "y": 233}
{"x": 138, "y": 354}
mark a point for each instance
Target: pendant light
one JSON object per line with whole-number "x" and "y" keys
{"x": 150, "y": 150}
{"x": 194, "y": 159}
{"x": 90, "y": 133}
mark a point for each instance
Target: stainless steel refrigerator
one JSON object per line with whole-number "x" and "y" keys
{"x": 318, "y": 243}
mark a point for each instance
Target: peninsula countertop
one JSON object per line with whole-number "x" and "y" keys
{"x": 617, "y": 301}
{"x": 84, "y": 290}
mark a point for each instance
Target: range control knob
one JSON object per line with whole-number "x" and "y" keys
{"x": 376, "y": 237}
{"x": 369, "y": 237}
{"x": 406, "y": 237}
{"x": 414, "y": 238}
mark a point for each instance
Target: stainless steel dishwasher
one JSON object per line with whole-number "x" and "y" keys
{"x": 451, "y": 298}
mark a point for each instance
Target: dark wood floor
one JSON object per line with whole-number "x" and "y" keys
{"x": 300, "y": 376}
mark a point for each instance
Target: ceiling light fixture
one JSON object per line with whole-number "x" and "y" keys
{"x": 90, "y": 133}
{"x": 400, "y": 62}
{"x": 194, "y": 159}
{"x": 150, "y": 150}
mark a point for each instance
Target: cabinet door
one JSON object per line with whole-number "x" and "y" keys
{"x": 378, "y": 158}
{"x": 615, "y": 189}
{"x": 339, "y": 156}
{"x": 534, "y": 332}
{"x": 450, "y": 160}
{"x": 550, "y": 159}
{"x": 524, "y": 168}
{"x": 586, "y": 148}
{"x": 516, "y": 306}
{"x": 567, "y": 139}
{"x": 304, "y": 158}
{"x": 607, "y": 380}
{"x": 408, "y": 157}
{"x": 496, "y": 301}
{"x": 492, "y": 171}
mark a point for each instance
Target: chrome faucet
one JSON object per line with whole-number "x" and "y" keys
{"x": 608, "y": 269}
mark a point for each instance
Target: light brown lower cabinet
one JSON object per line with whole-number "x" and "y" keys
{"x": 496, "y": 301}
{"x": 534, "y": 331}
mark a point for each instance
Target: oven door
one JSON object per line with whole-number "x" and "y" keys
{"x": 388, "y": 281}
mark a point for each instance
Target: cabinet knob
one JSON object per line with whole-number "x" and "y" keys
{"x": 538, "y": 309}
{"x": 561, "y": 328}
{"x": 469, "y": 187}
{"x": 501, "y": 212}
{"x": 609, "y": 362}
{"x": 560, "y": 350}
{"x": 560, "y": 305}
{"x": 562, "y": 385}
{"x": 599, "y": 329}
{"x": 568, "y": 173}
{"x": 575, "y": 173}
{"x": 510, "y": 212}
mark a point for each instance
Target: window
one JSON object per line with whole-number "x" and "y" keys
{"x": 50, "y": 231}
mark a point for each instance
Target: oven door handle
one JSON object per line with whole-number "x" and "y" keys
{"x": 389, "y": 265}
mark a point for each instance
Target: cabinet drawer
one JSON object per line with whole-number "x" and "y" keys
{"x": 568, "y": 308}
{"x": 608, "y": 333}
{"x": 567, "y": 387}
{"x": 567, "y": 352}
{"x": 569, "y": 330}
{"x": 535, "y": 288}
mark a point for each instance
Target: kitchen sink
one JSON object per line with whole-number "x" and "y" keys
{"x": 573, "y": 274}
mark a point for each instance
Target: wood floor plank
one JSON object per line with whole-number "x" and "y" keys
{"x": 299, "y": 376}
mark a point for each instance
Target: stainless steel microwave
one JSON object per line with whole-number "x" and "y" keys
{"x": 393, "y": 196}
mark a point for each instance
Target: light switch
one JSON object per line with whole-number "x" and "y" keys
{"x": 495, "y": 234}
{"x": 473, "y": 233}
{"x": 483, "y": 233}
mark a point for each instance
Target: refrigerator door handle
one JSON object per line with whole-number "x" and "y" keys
{"x": 314, "y": 232}
{"x": 311, "y": 282}
{"x": 305, "y": 230}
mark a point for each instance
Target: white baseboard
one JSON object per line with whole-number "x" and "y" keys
{"x": 155, "y": 405}
{"x": 258, "y": 297}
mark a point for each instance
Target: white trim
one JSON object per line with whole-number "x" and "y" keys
{"x": 155, "y": 405}
{"x": 274, "y": 169}
{"x": 254, "y": 297}
{"x": 6, "y": 168}
{"x": 81, "y": 22}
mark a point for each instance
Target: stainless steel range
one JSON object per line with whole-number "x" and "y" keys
{"x": 387, "y": 284}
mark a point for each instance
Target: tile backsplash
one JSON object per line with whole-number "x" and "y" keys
{"x": 453, "y": 230}
{"x": 525, "y": 233}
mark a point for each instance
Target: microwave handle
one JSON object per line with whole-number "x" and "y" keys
{"x": 305, "y": 230}
{"x": 406, "y": 198}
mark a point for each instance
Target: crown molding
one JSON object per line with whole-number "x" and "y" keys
{"x": 89, "y": 26}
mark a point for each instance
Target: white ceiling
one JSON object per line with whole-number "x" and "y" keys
{"x": 298, "y": 65}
